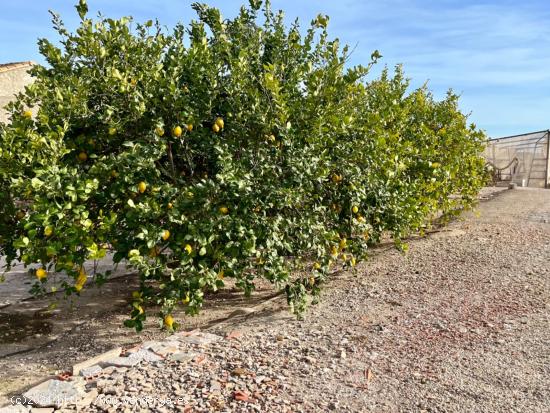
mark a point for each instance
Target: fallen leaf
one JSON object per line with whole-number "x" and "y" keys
{"x": 369, "y": 375}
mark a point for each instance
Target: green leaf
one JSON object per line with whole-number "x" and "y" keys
{"x": 82, "y": 9}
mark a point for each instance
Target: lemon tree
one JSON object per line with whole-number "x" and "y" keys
{"x": 222, "y": 149}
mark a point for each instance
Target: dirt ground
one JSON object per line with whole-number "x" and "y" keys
{"x": 461, "y": 323}
{"x": 36, "y": 343}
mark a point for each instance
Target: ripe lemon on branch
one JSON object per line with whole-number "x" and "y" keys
{"x": 169, "y": 322}
{"x": 48, "y": 231}
{"x": 142, "y": 187}
{"x": 81, "y": 280}
{"x": 41, "y": 274}
{"x": 177, "y": 131}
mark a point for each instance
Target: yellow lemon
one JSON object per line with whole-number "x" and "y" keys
{"x": 142, "y": 186}
{"x": 334, "y": 251}
{"x": 48, "y": 231}
{"x": 186, "y": 299}
{"x": 353, "y": 261}
{"x": 343, "y": 243}
{"x": 140, "y": 309}
{"x": 27, "y": 114}
{"x": 189, "y": 127}
{"x": 317, "y": 266}
{"x": 41, "y": 273}
{"x": 355, "y": 209}
{"x": 215, "y": 128}
{"x": 82, "y": 156}
{"x": 159, "y": 131}
{"x": 165, "y": 234}
{"x": 220, "y": 123}
{"x": 188, "y": 248}
{"x": 169, "y": 321}
{"x": 112, "y": 131}
{"x": 81, "y": 280}
{"x": 177, "y": 131}
{"x": 169, "y": 205}
{"x": 224, "y": 210}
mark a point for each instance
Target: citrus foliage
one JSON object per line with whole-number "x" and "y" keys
{"x": 229, "y": 148}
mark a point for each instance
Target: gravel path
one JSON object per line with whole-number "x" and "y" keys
{"x": 459, "y": 324}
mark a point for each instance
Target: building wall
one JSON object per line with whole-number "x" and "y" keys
{"x": 13, "y": 79}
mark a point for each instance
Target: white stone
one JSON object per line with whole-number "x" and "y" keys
{"x": 182, "y": 357}
{"x": 16, "y": 408}
{"x": 145, "y": 355}
{"x": 90, "y": 371}
{"x": 54, "y": 393}
{"x": 120, "y": 362}
{"x": 96, "y": 360}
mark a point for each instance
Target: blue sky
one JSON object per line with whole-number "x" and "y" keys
{"x": 495, "y": 53}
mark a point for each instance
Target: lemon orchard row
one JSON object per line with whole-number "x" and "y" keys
{"x": 228, "y": 148}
